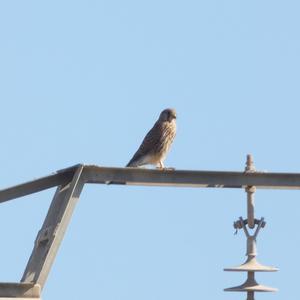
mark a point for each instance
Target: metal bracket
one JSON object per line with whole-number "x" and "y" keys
{"x": 251, "y": 265}
{"x": 241, "y": 223}
{"x": 45, "y": 235}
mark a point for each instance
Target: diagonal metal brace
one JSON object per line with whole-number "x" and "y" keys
{"x": 52, "y": 232}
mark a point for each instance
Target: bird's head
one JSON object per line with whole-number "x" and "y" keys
{"x": 168, "y": 114}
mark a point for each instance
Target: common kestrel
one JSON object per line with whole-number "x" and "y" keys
{"x": 157, "y": 142}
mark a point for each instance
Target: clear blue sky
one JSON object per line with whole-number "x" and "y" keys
{"x": 83, "y": 81}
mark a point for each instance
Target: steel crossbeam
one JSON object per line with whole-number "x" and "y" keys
{"x": 70, "y": 182}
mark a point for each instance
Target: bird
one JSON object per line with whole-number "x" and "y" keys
{"x": 156, "y": 144}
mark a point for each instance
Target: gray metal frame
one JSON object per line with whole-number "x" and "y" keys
{"x": 70, "y": 183}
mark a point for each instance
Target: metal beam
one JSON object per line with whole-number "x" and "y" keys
{"x": 37, "y": 185}
{"x": 70, "y": 182}
{"x": 182, "y": 178}
{"x": 52, "y": 232}
{"x": 19, "y": 290}
{"x": 149, "y": 177}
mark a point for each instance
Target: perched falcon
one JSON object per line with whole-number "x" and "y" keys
{"x": 157, "y": 142}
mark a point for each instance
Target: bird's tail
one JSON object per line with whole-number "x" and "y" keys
{"x": 133, "y": 163}
{"x": 136, "y": 162}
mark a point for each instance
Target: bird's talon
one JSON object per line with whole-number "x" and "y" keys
{"x": 165, "y": 168}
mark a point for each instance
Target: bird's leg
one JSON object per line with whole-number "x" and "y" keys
{"x": 160, "y": 165}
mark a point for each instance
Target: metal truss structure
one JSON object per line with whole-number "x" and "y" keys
{"x": 70, "y": 182}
